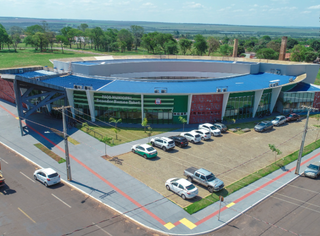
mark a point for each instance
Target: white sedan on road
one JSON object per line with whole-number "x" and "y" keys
{"x": 182, "y": 187}
{"x": 47, "y": 176}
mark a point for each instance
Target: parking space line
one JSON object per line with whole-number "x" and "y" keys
{"x": 26, "y": 215}
{"x": 61, "y": 200}
{"x": 102, "y": 229}
{"x": 27, "y": 177}
{"x": 4, "y": 161}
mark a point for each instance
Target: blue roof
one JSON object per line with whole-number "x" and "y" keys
{"x": 89, "y": 63}
{"x": 304, "y": 87}
{"x": 236, "y": 84}
{"x": 31, "y": 74}
{"x": 71, "y": 80}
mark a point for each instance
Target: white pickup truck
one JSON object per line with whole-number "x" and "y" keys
{"x": 204, "y": 177}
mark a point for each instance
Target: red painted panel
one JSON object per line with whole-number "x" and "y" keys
{"x": 316, "y": 101}
{"x": 7, "y": 91}
{"x": 206, "y": 108}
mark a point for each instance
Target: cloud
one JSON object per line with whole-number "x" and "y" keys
{"x": 283, "y": 9}
{"x": 305, "y": 12}
{"x": 314, "y": 7}
{"x": 148, "y": 5}
{"x": 238, "y": 10}
{"x": 193, "y": 5}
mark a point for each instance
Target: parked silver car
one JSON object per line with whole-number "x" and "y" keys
{"x": 182, "y": 187}
{"x": 47, "y": 176}
{"x": 279, "y": 120}
{"x": 312, "y": 170}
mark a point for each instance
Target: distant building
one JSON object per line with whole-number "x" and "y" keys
{"x": 287, "y": 56}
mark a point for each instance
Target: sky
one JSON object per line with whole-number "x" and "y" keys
{"x": 234, "y": 12}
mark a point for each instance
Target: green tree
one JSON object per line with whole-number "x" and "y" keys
{"x": 291, "y": 43}
{"x": 4, "y": 37}
{"x": 83, "y": 27}
{"x": 96, "y": 35}
{"x": 185, "y": 44}
{"x": 137, "y": 32}
{"x": 183, "y": 121}
{"x": 33, "y": 29}
{"x": 125, "y": 39}
{"x": 226, "y": 50}
{"x": 51, "y": 38}
{"x": 213, "y": 45}
{"x": 149, "y": 42}
{"x": 16, "y": 30}
{"x": 116, "y": 131}
{"x": 144, "y": 124}
{"x": 267, "y": 53}
{"x": 40, "y": 40}
{"x": 115, "y": 121}
{"x": 15, "y": 40}
{"x": 225, "y": 40}
{"x": 200, "y": 44}
{"x": 171, "y": 47}
{"x": 275, "y": 151}
{"x": 275, "y": 46}
{"x": 241, "y": 50}
{"x": 69, "y": 33}
{"x": 298, "y": 53}
{"x": 315, "y": 45}
{"x": 310, "y": 56}
{"x": 62, "y": 40}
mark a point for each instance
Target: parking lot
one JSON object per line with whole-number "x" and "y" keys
{"x": 222, "y": 155}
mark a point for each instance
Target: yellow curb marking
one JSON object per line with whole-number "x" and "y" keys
{"x": 26, "y": 215}
{"x": 169, "y": 225}
{"x": 188, "y": 223}
{"x": 17, "y": 118}
{"x": 230, "y": 205}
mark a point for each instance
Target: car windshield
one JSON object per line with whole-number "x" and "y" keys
{"x": 197, "y": 136}
{"x": 313, "y": 167}
{"x": 210, "y": 177}
{"x": 150, "y": 149}
{"x": 277, "y": 118}
{"x": 213, "y": 128}
{"x": 53, "y": 175}
{"x": 262, "y": 124}
{"x": 190, "y": 187}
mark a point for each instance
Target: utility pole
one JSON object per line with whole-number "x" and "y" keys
{"x": 65, "y": 136}
{"x": 303, "y": 138}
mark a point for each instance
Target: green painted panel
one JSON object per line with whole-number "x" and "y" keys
{"x": 288, "y": 87}
{"x": 267, "y": 91}
{"x": 232, "y": 95}
{"x": 180, "y": 104}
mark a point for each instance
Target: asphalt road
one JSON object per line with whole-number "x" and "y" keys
{"x": 294, "y": 208}
{"x": 27, "y": 207}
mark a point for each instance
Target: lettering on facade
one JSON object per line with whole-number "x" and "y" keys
{"x": 119, "y": 102}
{"x": 179, "y": 113}
{"x": 116, "y": 97}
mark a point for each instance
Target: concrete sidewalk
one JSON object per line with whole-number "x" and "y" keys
{"x": 103, "y": 181}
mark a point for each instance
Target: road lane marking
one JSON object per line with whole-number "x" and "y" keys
{"x": 60, "y": 200}
{"x": 4, "y": 161}
{"x": 27, "y": 177}
{"x": 102, "y": 229}
{"x": 26, "y": 215}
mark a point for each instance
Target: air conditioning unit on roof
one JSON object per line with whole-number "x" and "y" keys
{"x": 88, "y": 87}
{"x": 77, "y": 86}
{"x": 291, "y": 80}
{"x": 224, "y": 90}
{"x": 276, "y": 84}
{"x": 218, "y": 90}
{"x": 156, "y": 91}
{"x": 163, "y": 90}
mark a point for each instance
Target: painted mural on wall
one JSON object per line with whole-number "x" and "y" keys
{"x": 7, "y": 91}
{"x": 206, "y": 108}
{"x": 316, "y": 101}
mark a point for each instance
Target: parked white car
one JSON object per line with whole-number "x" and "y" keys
{"x": 205, "y": 134}
{"x": 47, "y": 176}
{"x": 279, "y": 120}
{"x": 210, "y": 127}
{"x": 144, "y": 150}
{"x": 182, "y": 187}
{"x": 163, "y": 142}
{"x": 192, "y": 137}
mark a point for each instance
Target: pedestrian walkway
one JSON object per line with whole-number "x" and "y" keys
{"x": 103, "y": 181}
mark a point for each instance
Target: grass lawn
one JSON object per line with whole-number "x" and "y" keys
{"x": 123, "y": 136}
{"x": 250, "y": 179}
{"x": 318, "y": 78}
{"x": 29, "y": 57}
{"x": 50, "y": 153}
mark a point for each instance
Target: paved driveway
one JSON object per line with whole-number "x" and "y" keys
{"x": 224, "y": 156}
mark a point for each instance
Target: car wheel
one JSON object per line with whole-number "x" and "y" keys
{"x": 210, "y": 189}
{"x": 46, "y": 184}
{"x": 192, "y": 141}
{"x": 168, "y": 187}
{"x": 145, "y": 156}
{"x": 164, "y": 148}
{"x": 133, "y": 150}
{"x": 202, "y": 138}
{"x": 183, "y": 197}
{"x": 152, "y": 143}
{"x": 190, "y": 179}
{"x": 277, "y": 124}
{"x": 35, "y": 177}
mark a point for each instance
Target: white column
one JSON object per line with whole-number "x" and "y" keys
{"x": 257, "y": 98}
{"x": 71, "y": 100}
{"x": 274, "y": 97}
{"x": 49, "y": 107}
{"x": 189, "y": 107}
{"x": 142, "y": 112}
{"x": 91, "y": 104}
{"x": 224, "y": 104}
